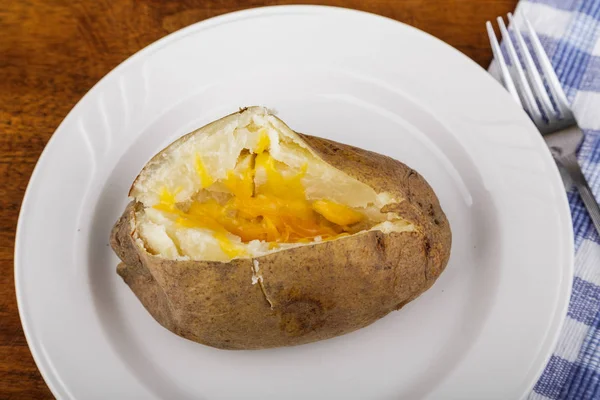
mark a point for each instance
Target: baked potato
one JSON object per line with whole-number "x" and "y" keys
{"x": 247, "y": 235}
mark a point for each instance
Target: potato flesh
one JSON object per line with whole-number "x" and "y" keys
{"x": 247, "y": 190}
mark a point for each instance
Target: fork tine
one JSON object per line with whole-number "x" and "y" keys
{"x": 530, "y": 103}
{"x": 506, "y": 78}
{"x": 551, "y": 79}
{"x": 534, "y": 76}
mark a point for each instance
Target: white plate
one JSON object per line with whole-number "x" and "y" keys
{"x": 484, "y": 330}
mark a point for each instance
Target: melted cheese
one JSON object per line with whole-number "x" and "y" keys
{"x": 276, "y": 210}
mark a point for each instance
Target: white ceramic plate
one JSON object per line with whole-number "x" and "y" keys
{"x": 484, "y": 330}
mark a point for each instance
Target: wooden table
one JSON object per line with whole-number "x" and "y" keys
{"x": 53, "y": 51}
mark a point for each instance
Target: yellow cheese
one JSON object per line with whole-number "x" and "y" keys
{"x": 275, "y": 211}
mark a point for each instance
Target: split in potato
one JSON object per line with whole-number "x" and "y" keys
{"x": 247, "y": 189}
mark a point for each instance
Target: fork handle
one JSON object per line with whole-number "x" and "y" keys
{"x": 572, "y": 166}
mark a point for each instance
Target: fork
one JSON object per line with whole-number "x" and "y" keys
{"x": 554, "y": 119}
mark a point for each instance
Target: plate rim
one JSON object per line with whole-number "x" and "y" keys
{"x": 44, "y": 364}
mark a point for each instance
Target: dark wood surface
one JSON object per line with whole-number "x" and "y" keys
{"x": 53, "y": 51}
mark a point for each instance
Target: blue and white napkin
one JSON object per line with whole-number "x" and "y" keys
{"x": 570, "y": 33}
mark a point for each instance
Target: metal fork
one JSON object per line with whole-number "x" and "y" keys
{"x": 554, "y": 120}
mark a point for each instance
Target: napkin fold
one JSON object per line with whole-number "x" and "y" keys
{"x": 570, "y": 33}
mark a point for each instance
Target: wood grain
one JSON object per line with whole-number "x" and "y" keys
{"x": 53, "y": 51}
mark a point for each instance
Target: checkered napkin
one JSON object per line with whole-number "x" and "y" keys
{"x": 570, "y": 32}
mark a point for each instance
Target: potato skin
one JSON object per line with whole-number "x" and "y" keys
{"x": 307, "y": 293}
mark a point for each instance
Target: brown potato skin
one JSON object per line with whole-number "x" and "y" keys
{"x": 308, "y": 293}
